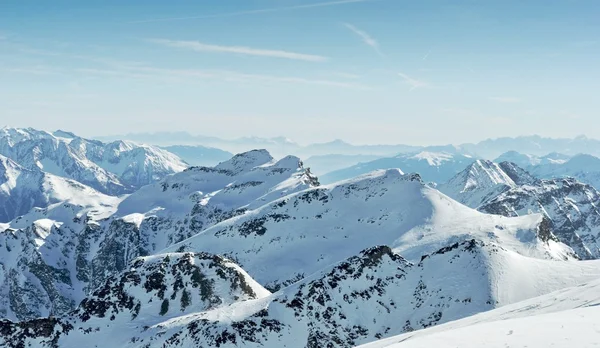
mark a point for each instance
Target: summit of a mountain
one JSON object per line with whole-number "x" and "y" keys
{"x": 479, "y": 182}
{"x": 245, "y": 161}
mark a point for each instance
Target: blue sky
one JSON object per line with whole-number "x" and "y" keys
{"x": 378, "y": 71}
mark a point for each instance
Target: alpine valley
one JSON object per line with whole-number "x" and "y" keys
{"x": 121, "y": 244}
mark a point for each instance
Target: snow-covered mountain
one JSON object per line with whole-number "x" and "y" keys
{"x": 505, "y": 189}
{"x": 187, "y": 261}
{"x": 571, "y": 206}
{"x": 22, "y": 189}
{"x": 566, "y": 317}
{"x": 333, "y": 222}
{"x": 432, "y": 166}
{"x": 478, "y": 183}
{"x": 112, "y": 168}
{"x": 198, "y": 299}
{"x": 79, "y": 246}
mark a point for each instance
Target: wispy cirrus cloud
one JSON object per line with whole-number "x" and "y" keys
{"x": 253, "y": 12}
{"x": 191, "y": 75}
{"x": 365, "y": 37}
{"x": 506, "y": 99}
{"x": 414, "y": 83}
{"x": 242, "y": 50}
{"x": 346, "y": 75}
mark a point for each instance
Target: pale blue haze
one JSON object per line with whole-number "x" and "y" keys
{"x": 381, "y": 71}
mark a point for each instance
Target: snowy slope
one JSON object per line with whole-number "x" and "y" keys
{"x": 22, "y": 189}
{"x": 567, "y": 317}
{"x": 186, "y": 299}
{"x": 434, "y": 166}
{"x": 337, "y": 221}
{"x": 113, "y": 168}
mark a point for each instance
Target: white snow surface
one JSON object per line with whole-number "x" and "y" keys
{"x": 316, "y": 227}
{"x": 565, "y": 318}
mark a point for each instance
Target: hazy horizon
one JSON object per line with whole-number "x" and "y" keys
{"x": 299, "y": 141}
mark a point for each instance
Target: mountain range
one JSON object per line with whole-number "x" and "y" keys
{"x": 534, "y": 145}
{"x": 422, "y": 248}
{"x": 112, "y": 168}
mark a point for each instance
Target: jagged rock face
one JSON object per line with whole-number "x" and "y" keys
{"x": 163, "y": 286}
{"x": 170, "y": 284}
{"x": 114, "y": 168}
{"x": 478, "y": 183}
{"x": 202, "y": 300}
{"x": 571, "y": 206}
{"x": 518, "y": 175}
{"x": 31, "y": 287}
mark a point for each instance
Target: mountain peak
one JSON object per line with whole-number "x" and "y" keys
{"x": 64, "y": 134}
{"x": 477, "y": 183}
{"x": 245, "y": 161}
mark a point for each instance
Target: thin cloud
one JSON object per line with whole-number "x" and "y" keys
{"x": 506, "y": 99}
{"x": 163, "y": 74}
{"x": 202, "y": 47}
{"x": 252, "y": 12}
{"x": 426, "y": 55}
{"x": 346, "y": 75}
{"x": 365, "y": 37}
{"x": 414, "y": 83}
